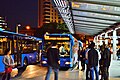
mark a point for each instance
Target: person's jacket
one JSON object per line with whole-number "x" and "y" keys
{"x": 8, "y": 61}
{"x": 53, "y": 57}
{"x": 106, "y": 57}
{"x": 92, "y": 58}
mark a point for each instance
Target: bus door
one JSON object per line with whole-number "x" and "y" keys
{"x": 17, "y": 51}
{"x": 71, "y": 53}
{"x": 71, "y": 49}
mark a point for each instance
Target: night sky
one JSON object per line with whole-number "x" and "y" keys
{"x": 24, "y": 12}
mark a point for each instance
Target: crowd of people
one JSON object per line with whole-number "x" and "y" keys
{"x": 96, "y": 60}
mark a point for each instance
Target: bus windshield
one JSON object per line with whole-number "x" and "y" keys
{"x": 64, "y": 48}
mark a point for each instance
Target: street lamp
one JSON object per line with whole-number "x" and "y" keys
{"x": 17, "y": 28}
{"x": 28, "y": 27}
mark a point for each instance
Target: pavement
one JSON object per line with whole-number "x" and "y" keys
{"x": 76, "y": 74}
{"x": 115, "y": 70}
{"x": 36, "y": 72}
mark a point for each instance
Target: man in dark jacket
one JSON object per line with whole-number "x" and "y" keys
{"x": 93, "y": 62}
{"x": 53, "y": 61}
{"x": 105, "y": 62}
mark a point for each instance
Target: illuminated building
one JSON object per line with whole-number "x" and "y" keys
{"x": 47, "y": 13}
{"x": 3, "y": 23}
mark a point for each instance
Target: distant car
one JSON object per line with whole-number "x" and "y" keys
{"x": 118, "y": 54}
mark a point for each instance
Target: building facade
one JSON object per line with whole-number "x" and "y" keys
{"x": 3, "y": 23}
{"x": 47, "y": 13}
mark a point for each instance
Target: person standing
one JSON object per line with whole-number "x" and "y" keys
{"x": 93, "y": 62}
{"x": 83, "y": 58}
{"x": 62, "y": 50}
{"x": 75, "y": 55}
{"x": 86, "y": 62}
{"x": 53, "y": 61}
{"x": 9, "y": 64}
{"x": 79, "y": 57}
{"x": 105, "y": 62}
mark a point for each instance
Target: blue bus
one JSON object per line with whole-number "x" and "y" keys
{"x": 66, "y": 41}
{"x": 24, "y": 49}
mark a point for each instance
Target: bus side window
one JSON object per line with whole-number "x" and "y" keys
{"x": 1, "y": 50}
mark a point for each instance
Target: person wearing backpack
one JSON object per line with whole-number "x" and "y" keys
{"x": 93, "y": 62}
{"x": 105, "y": 62}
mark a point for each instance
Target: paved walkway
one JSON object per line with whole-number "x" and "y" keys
{"x": 79, "y": 75}
{"x": 40, "y": 72}
{"x": 115, "y": 70}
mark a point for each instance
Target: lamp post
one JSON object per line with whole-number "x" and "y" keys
{"x": 17, "y": 28}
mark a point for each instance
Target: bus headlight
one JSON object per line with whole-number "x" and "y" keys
{"x": 30, "y": 56}
{"x": 67, "y": 62}
{"x": 44, "y": 62}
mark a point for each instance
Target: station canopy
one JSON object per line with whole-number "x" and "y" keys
{"x": 89, "y": 17}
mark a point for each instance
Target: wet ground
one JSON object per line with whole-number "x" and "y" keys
{"x": 36, "y": 72}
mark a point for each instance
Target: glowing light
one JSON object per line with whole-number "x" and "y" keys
{"x": 75, "y": 5}
{"x": 3, "y": 39}
{"x": 104, "y": 9}
{"x": 44, "y": 62}
{"x": 27, "y": 27}
{"x": 55, "y": 38}
{"x": 40, "y": 41}
{"x": 19, "y": 25}
{"x": 67, "y": 62}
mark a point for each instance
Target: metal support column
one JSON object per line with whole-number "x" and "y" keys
{"x": 114, "y": 44}
{"x": 97, "y": 44}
